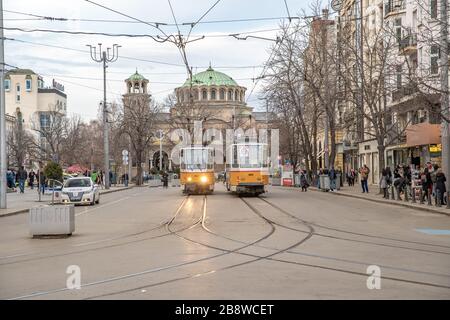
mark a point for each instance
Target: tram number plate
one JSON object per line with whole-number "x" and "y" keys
{"x": 250, "y": 174}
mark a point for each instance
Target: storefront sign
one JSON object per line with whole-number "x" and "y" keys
{"x": 435, "y": 148}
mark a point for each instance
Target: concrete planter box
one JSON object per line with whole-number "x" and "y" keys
{"x": 276, "y": 181}
{"x": 154, "y": 183}
{"x": 52, "y": 220}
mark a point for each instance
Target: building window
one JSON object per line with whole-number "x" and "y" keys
{"x": 7, "y": 84}
{"x": 433, "y": 9}
{"x": 28, "y": 84}
{"x": 398, "y": 70}
{"x": 204, "y": 95}
{"x": 398, "y": 29}
{"x": 230, "y": 95}
{"x": 195, "y": 93}
{"x": 213, "y": 94}
{"x": 17, "y": 93}
{"x": 44, "y": 120}
{"x": 236, "y": 96}
{"x": 222, "y": 94}
{"x": 434, "y": 59}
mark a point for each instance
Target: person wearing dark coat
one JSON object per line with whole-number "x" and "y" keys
{"x": 440, "y": 185}
{"x": 23, "y": 175}
{"x": 427, "y": 183}
{"x": 31, "y": 177}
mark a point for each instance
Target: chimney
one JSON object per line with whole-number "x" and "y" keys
{"x": 325, "y": 13}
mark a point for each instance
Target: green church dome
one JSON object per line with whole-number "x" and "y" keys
{"x": 136, "y": 77}
{"x": 210, "y": 77}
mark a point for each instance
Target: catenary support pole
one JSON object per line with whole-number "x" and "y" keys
{"x": 3, "y": 185}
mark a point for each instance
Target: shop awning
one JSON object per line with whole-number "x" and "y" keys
{"x": 423, "y": 134}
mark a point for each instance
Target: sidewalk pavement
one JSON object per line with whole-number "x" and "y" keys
{"x": 374, "y": 196}
{"x": 22, "y": 202}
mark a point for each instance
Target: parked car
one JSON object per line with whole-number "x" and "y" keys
{"x": 80, "y": 190}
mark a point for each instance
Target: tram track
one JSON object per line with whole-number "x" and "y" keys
{"x": 226, "y": 252}
{"x": 201, "y": 221}
{"x": 269, "y": 257}
{"x": 358, "y": 233}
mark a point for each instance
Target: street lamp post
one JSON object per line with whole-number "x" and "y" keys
{"x": 161, "y": 134}
{"x": 105, "y": 57}
{"x": 2, "y": 116}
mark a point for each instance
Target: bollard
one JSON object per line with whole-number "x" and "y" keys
{"x": 429, "y": 199}
{"x": 392, "y": 193}
{"x": 438, "y": 199}
{"x": 421, "y": 195}
{"x": 406, "y": 194}
{"x": 413, "y": 194}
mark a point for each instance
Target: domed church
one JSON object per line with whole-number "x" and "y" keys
{"x": 211, "y": 96}
{"x": 215, "y": 98}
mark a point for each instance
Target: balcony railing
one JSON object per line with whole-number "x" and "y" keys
{"x": 404, "y": 91}
{"x": 409, "y": 41}
{"x": 393, "y": 6}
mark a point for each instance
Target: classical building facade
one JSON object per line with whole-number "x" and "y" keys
{"x": 212, "y": 97}
{"x": 26, "y": 95}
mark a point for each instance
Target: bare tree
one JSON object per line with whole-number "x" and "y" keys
{"x": 139, "y": 116}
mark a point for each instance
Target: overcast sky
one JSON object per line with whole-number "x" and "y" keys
{"x": 240, "y": 59}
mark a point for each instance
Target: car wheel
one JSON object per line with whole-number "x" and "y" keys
{"x": 98, "y": 200}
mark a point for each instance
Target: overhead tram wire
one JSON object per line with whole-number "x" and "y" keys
{"x": 61, "y": 19}
{"x": 129, "y": 58}
{"x": 200, "y": 19}
{"x": 156, "y": 25}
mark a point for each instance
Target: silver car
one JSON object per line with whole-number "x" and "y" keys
{"x": 80, "y": 190}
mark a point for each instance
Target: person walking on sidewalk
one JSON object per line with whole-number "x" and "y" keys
{"x": 304, "y": 181}
{"x": 427, "y": 184}
{"x": 332, "y": 175}
{"x": 384, "y": 183}
{"x": 364, "y": 173}
{"x": 440, "y": 186}
{"x": 23, "y": 175}
{"x": 31, "y": 177}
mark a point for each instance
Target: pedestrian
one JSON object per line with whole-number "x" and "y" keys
{"x": 427, "y": 184}
{"x": 440, "y": 186}
{"x": 23, "y": 175}
{"x": 110, "y": 178}
{"x": 304, "y": 181}
{"x": 94, "y": 176}
{"x": 125, "y": 179}
{"x": 165, "y": 180}
{"x": 364, "y": 172}
{"x": 332, "y": 175}
{"x": 384, "y": 183}
{"x": 31, "y": 177}
{"x": 41, "y": 181}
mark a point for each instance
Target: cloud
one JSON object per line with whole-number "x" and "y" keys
{"x": 66, "y": 64}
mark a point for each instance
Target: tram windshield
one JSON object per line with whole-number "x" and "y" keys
{"x": 196, "y": 159}
{"x": 249, "y": 156}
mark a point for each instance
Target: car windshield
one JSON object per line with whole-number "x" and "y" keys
{"x": 77, "y": 183}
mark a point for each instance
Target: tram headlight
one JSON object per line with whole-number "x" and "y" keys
{"x": 189, "y": 179}
{"x": 203, "y": 179}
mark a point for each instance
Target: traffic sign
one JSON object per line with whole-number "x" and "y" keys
{"x": 125, "y": 152}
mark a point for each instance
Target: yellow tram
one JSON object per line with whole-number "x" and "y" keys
{"x": 247, "y": 168}
{"x": 197, "y": 170}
